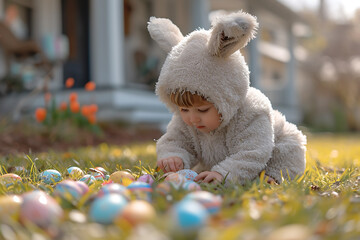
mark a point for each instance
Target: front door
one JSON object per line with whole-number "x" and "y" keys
{"x": 75, "y": 25}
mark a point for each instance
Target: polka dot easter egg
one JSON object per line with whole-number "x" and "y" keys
{"x": 50, "y": 176}
{"x": 10, "y": 179}
{"x": 75, "y": 173}
{"x": 188, "y": 174}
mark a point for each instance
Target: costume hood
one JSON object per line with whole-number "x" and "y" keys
{"x": 206, "y": 61}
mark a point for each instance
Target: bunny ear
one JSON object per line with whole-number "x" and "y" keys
{"x": 231, "y": 33}
{"x": 164, "y": 32}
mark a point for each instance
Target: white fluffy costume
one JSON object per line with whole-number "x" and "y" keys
{"x": 252, "y": 137}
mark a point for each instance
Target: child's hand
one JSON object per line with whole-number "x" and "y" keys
{"x": 208, "y": 177}
{"x": 170, "y": 164}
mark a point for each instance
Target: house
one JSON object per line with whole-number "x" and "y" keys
{"x": 106, "y": 41}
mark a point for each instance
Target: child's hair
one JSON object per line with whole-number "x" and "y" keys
{"x": 186, "y": 98}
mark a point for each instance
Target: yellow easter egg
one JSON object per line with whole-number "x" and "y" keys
{"x": 9, "y": 206}
{"x": 136, "y": 212}
{"x": 122, "y": 177}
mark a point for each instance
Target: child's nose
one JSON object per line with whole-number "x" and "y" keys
{"x": 194, "y": 118}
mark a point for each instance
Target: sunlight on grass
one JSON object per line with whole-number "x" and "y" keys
{"x": 324, "y": 203}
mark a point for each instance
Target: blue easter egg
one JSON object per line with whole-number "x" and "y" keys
{"x": 188, "y": 216}
{"x": 114, "y": 188}
{"x": 104, "y": 210}
{"x": 191, "y": 186}
{"x": 88, "y": 179}
{"x": 68, "y": 189}
{"x": 210, "y": 201}
{"x": 188, "y": 174}
{"x": 75, "y": 173}
{"x": 50, "y": 176}
{"x": 141, "y": 190}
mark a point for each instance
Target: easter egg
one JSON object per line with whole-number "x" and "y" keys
{"x": 188, "y": 216}
{"x": 104, "y": 210}
{"x": 146, "y": 178}
{"x": 9, "y": 179}
{"x": 188, "y": 174}
{"x": 98, "y": 175}
{"x": 210, "y": 201}
{"x": 176, "y": 178}
{"x": 122, "y": 177}
{"x": 163, "y": 188}
{"x": 114, "y": 188}
{"x": 68, "y": 190}
{"x": 88, "y": 179}
{"x": 141, "y": 190}
{"x": 83, "y": 186}
{"x": 9, "y": 206}
{"x": 50, "y": 176}
{"x": 75, "y": 173}
{"x": 136, "y": 212}
{"x": 191, "y": 186}
{"x": 40, "y": 209}
{"x": 102, "y": 170}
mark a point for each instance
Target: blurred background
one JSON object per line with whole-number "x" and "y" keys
{"x": 306, "y": 57}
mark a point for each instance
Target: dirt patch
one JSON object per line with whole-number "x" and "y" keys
{"x": 25, "y": 138}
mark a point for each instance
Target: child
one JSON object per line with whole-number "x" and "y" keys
{"x": 220, "y": 123}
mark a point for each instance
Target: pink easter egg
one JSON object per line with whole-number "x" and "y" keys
{"x": 40, "y": 209}
{"x": 146, "y": 178}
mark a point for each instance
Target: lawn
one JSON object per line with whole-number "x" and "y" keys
{"x": 324, "y": 203}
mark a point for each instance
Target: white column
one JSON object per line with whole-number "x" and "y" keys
{"x": 47, "y": 22}
{"x": 290, "y": 88}
{"x": 107, "y": 40}
{"x": 200, "y": 14}
{"x": 254, "y": 62}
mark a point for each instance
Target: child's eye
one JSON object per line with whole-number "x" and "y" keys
{"x": 184, "y": 109}
{"x": 203, "y": 110}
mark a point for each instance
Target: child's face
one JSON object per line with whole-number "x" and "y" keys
{"x": 203, "y": 115}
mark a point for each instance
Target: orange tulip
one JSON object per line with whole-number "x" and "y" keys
{"x": 40, "y": 114}
{"x": 63, "y": 106}
{"x": 85, "y": 110}
{"x": 69, "y": 82}
{"x": 93, "y": 108}
{"x": 73, "y": 97}
{"x": 75, "y": 107}
{"x": 91, "y": 118}
{"x": 90, "y": 86}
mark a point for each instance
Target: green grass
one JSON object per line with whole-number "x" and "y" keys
{"x": 324, "y": 203}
